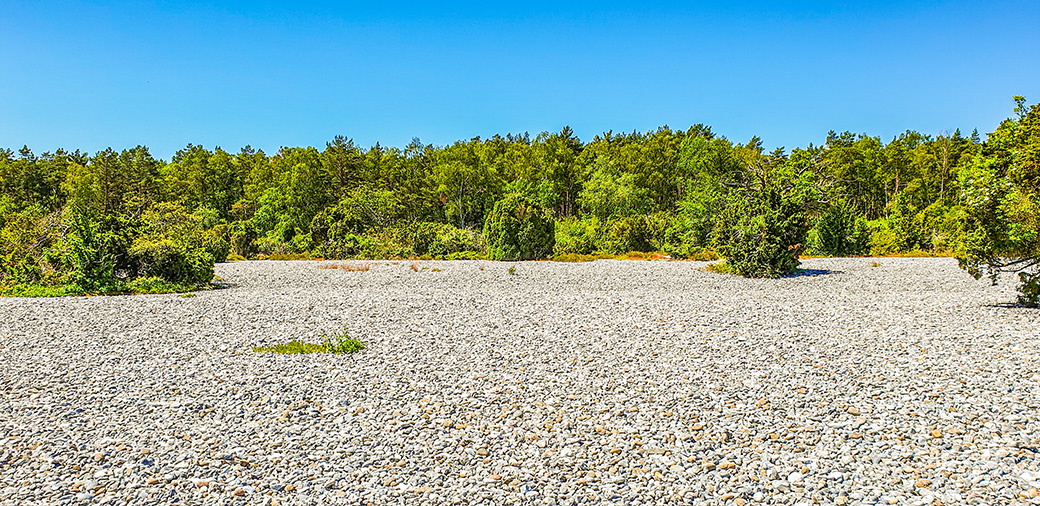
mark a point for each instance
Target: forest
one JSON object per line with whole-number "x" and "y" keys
{"x": 124, "y": 221}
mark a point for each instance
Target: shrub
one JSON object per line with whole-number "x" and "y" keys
{"x": 766, "y": 220}
{"x": 98, "y": 252}
{"x": 839, "y": 232}
{"x": 621, "y": 235}
{"x": 173, "y": 260}
{"x": 464, "y": 255}
{"x": 177, "y": 247}
{"x": 155, "y": 285}
{"x": 440, "y": 240}
{"x": 518, "y": 229}
{"x": 31, "y": 244}
{"x": 576, "y": 236}
{"x": 883, "y": 240}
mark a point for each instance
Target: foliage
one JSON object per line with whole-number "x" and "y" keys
{"x": 623, "y": 234}
{"x": 156, "y": 284}
{"x": 766, "y": 219}
{"x": 840, "y": 232}
{"x": 1003, "y": 217}
{"x": 177, "y": 246}
{"x": 575, "y": 236}
{"x": 69, "y": 218}
{"x": 720, "y": 267}
{"x": 519, "y": 229}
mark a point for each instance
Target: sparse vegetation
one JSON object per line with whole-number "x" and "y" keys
{"x": 76, "y": 223}
{"x": 336, "y": 343}
{"x": 720, "y": 267}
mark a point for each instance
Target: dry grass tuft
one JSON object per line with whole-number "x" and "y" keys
{"x": 348, "y": 266}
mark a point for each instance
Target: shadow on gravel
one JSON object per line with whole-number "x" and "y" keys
{"x": 1008, "y": 305}
{"x": 220, "y": 285}
{"x": 810, "y": 272}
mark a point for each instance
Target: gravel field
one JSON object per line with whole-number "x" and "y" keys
{"x": 618, "y": 382}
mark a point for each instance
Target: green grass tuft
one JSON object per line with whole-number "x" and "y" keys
{"x": 152, "y": 285}
{"x": 337, "y": 343}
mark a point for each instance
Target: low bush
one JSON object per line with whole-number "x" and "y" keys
{"x": 576, "y": 236}
{"x": 519, "y": 229}
{"x": 839, "y": 232}
{"x": 157, "y": 285}
{"x": 765, "y": 222}
{"x": 177, "y": 247}
{"x": 621, "y": 235}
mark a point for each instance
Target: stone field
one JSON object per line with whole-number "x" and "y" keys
{"x": 858, "y": 381}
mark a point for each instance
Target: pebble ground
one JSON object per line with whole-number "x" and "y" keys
{"x": 862, "y": 381}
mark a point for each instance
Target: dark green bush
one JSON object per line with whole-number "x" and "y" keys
{"x": 173, "y": 260}
{"x": 840, "y": 232}
{"x": 99, "y": 251}
{"x": 177, "y": 246}
{"x": 518, "y": 229}
{"x": 765, "y": 223}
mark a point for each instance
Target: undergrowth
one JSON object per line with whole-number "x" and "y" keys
{"x": 722, "y": 267}
{"x": 151, "y": 285}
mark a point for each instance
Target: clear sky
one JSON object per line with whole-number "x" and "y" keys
{"x": 91, "y": 75}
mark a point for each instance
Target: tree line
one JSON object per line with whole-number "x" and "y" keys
{"x": 102, "y": 221}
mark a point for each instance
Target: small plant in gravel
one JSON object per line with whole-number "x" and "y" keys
{"x": 337, "y": 342}
{"x": 512, "y": 270}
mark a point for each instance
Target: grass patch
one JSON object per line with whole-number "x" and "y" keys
{"x": 285, "y": 256}
{"x": 23, "y": 290}
{"x": 234, "y": 257}
{"x": 337, "y": 343}
{"x": 156, "y": 285}
{"x": 722, "y": 267}
{"x": 153, "y": 285}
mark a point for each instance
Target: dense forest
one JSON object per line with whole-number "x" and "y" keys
{"x": 126, "y": 221}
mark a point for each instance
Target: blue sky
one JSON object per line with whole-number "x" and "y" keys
{"x": 91, "y": 75}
